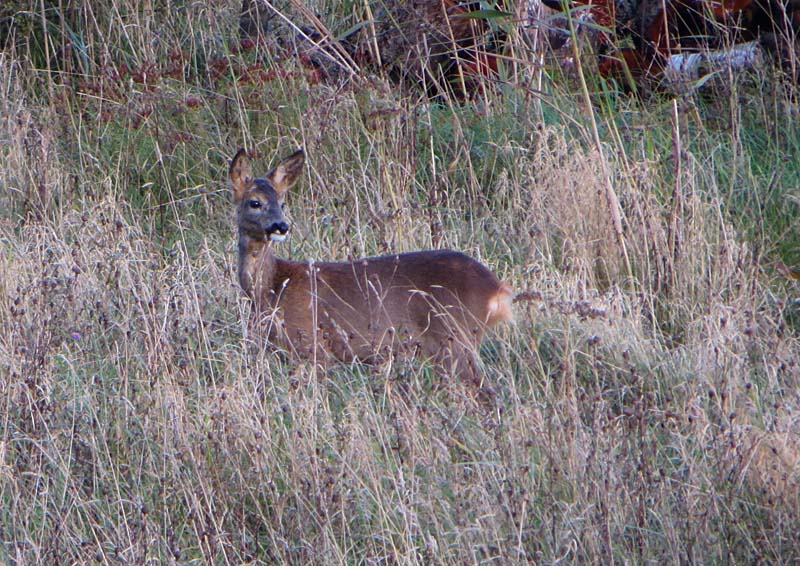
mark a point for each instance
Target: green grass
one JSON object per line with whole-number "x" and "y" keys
{"x": 143, "y": 421}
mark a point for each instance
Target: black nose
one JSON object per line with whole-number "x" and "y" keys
{"x": 277, "y": 227}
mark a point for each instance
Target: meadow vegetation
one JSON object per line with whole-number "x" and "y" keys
{"x": 648, "y": 393}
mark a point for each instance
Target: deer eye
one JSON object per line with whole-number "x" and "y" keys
{"x": 283, "y": 205}
{"x": 254, "y": 204}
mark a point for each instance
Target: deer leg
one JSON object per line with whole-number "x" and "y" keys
{"x": 461, "y": 361}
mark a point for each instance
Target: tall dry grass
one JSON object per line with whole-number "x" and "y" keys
{"x": 653, "y": 418}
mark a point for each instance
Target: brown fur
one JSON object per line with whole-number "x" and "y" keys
{"x": 437, "y": 304}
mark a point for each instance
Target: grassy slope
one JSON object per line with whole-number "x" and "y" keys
{"x": 648, "y": 420}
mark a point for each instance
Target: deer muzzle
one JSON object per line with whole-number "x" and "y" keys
{"x": 277, "y": 231}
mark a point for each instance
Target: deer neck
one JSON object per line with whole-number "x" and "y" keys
{"x": 257, "y": 266}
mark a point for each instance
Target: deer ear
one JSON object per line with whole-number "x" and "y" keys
{"x": 241, "y": 175}
{"x": 287, "y": 172}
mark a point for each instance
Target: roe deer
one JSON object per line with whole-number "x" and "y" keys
{"x": 437, "y": 304}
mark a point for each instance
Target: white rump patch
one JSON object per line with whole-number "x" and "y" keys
{"x": 500, "y": 306}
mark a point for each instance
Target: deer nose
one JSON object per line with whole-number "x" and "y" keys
{"x": 277, "y": 228}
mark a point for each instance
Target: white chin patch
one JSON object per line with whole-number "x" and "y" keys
{"x": 277, "y": 237}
